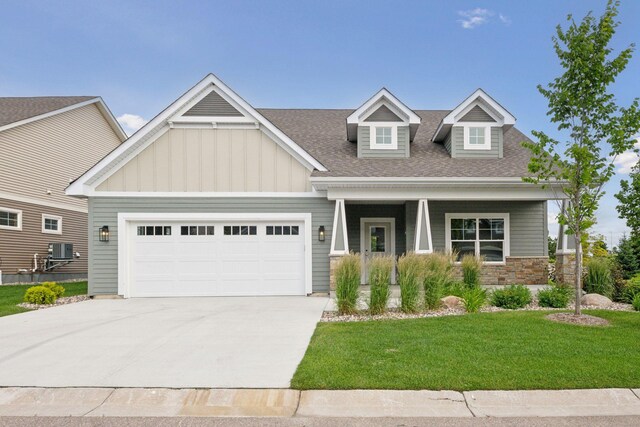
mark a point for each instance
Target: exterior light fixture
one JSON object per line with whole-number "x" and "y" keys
{"x": 321, "y": 233}
{"x": 103, "y": 233}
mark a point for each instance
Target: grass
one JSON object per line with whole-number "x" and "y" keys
{"x": 10, "y": 295}
{"x": 485, "y": 351}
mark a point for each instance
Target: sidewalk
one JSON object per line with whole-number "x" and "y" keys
{"x": 128, "y": 402}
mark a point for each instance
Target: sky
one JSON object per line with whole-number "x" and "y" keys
{"x": 141, "y": 55}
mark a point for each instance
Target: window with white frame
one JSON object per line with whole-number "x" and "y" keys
{"x": 51, "y": 224}
{"x": 384, "y": 137}
{"x": 477, "y": 137}
{"x": 483, "y": 235}
{"x": 10, "y": 219}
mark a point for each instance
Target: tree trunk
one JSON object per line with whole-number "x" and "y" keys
{"x": 578, "y": 270}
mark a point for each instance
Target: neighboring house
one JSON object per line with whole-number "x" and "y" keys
{"x": 45, "y": 143}
{"x": 215, "y": 197}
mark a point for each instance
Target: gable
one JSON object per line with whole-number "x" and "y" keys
{"x": 383, "y": 114}
{"x": 210, "y": 160}
{"x": 213, "y": 105}
{"x": 477, "y": 114}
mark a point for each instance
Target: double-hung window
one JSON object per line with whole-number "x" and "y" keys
{"x": 482, "y": 235}
{"x": 10, "y": 219}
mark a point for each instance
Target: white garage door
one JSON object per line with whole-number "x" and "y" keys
{"x": 216, "y": 258}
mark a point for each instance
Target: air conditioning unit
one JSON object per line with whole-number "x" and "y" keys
{"x": 61, "y": 250}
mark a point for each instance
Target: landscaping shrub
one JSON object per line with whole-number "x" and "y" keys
{"x": 618, "y": 280}
{"x": 39, "y": 295}
{"x": 555, "y": 296}
{"x": 437, "y": 276}
{"x": 380, "y": 270}
{"x": 598, "y": 279}
{"x": 347, "y": 277}
{"x": 636, "y": 302}
{"x": 454, "y": 288}
{"x": 474, "y": 298}
{"x": 471, "y": 267}
{"x": 58, "y": 290}
{"x": 631, "y": 289}
{"x": 410, "y": 270}
{"x": 511, "y": 297}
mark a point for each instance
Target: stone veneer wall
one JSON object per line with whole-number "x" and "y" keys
{"x": 526, "y": 270}
{"x": 565, "y": 268}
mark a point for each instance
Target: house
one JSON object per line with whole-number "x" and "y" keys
{"x": 45, "y": 142}
{"x": 215, "y": 197}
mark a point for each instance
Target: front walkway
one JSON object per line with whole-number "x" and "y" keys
{"x": 254, "y": 342}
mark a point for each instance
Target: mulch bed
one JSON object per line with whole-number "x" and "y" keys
{"x": 59, "y": 301}
{"x": 574, "y": 319}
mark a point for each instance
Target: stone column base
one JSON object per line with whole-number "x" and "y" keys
{"x": 333, "y": 263}
{"x": 566, "y": 268}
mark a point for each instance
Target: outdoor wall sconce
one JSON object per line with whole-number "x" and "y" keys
{"x": 321, "y": 233}
{"x": 103, "y": 233}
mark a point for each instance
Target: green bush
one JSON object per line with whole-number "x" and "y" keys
{"x": 511, "y": 297}
{"x": 437, "y": 276}
{"x": 636, "y": 302}
{"x": 380, "y": 270}
{"x": 598, "y": 279}
{"x": 555, "y": 296}
{"x": 471, "y": 267}
{"x": 618, "y": 280}
{"x": 454, "y": 288}
{"x": 474, "y": 298}
{"x": 39, "y": 295}
{"x": 54, "y": 287}
{"x": 410, "y": 270}
{"x": 347, "y": 277}
{"x": 631, "y": 289}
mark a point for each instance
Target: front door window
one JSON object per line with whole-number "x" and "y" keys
{"x": 378, "y": 241}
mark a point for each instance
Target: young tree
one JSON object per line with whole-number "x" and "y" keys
{"x": 596, "y": 129}
{"x": 627, "y": 256}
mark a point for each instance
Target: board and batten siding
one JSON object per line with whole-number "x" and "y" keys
{"x": 47, "y": 154}
{"x": 215, "y": 160}
{"x": 365, "y": 150}
{"x": 17, "y": 247}
{"x": 454, "y": 143}
{"x": 103, "y": 266}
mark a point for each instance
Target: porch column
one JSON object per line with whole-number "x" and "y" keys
{"x": 423, "y": 242}
{"x": 339, "y": 241}
{"x": 565, "y": 253}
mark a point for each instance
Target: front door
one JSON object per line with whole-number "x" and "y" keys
{"x": 377, "y": 238}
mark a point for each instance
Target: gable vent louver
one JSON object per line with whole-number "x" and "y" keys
{"x": 213, "y": 105}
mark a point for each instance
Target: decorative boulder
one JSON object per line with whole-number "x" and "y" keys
{"x": 451, "y": 301}
{"x": 596, "y": 300}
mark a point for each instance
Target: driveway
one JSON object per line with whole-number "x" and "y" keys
{"x": 235, "y": 342}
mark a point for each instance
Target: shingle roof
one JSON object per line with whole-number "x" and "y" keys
{"x": 323, "y": 134}
{"x": 15, "y": 109}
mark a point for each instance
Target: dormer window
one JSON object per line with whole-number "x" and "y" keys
{"x": 384, "y": 137}
{"x": 477, "y": 137}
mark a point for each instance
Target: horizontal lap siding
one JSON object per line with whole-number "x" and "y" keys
{"x": 456, "y": 138}
{"x": 527, "y": 222}
{"x": 103, "y": 269}
{"x": 364, "y": 144}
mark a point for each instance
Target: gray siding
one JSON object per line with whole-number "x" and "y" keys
{"x": 355, "y": 212}
{"x": 526, "y": 218}
{"x": 477, "y": 114}
{"x": 364, "y": 144}
{"x": 447, "y": 142}
{"x": 383, "y": 114}
{"x": 213, "y": 105}
{"x": 456, "y": 145}
{"x": 103, "y": 264}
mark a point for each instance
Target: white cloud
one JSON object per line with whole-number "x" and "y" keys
{"x": 473, "y": 18}
{"x": 131, "y": 122}
{"x": 627, "y": 160}
{"x": 504, "y": 19}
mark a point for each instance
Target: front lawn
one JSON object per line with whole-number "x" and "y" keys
{"x": 486, "y": 351}
{"x": 10, "y": 295}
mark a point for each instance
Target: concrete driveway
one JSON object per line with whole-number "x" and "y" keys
{"x": 253, "y": 342}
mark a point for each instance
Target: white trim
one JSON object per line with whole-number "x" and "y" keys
{"x": 423, "y": 212}
{"x": 506, "y": 248}
{"x": 208, "y": 194}
{"x": 15, "y": 211}
{"x": 34, "y": 201}
{"x": 124, "y": 237}
{"x": 487, "y": 136}
{"x": 54, "y": 217}
{"x": 363, "y": 244}
{"x": 468, "y": 193}
{"x": 339, "y": 213}
{"x": 383, "y": 94}
{"x": 420, "y": 180}
{"x": 373, "y": 132}
{"x": 124, "y": 152}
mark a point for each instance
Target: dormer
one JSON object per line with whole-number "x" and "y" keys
{"x": 475, "y": 128}
{"x": 383, "y": 127}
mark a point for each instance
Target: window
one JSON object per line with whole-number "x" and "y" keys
{"x": 240, "y": 230}
{"x": 485, "y": 235}
{"x": 384, "y": 136}
{"x": 51, "y": 224}
{"x": 477, "y": 137}
{"x": 197, "y": 230}
{"x": 283, "y": 230}
{"x": 154, "y": 230}
{"x": 10, "y": 219}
